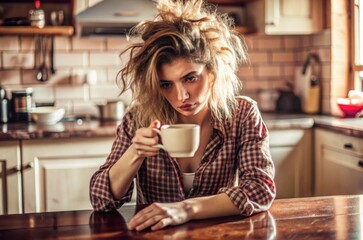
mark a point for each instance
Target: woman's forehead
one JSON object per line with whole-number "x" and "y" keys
{"x": 178, "y": 68}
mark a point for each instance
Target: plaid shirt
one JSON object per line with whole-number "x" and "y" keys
{"x": 239, "y": 145}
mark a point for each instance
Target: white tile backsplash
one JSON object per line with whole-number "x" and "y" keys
{"x": 104, "y": 91}
{"x": 96, "y": 44}
{"x": 18, "y": 60}
{"x": 72, "y": 92}
{"x": 118, "y": 44}
{"x": 104, "y": 59}
{"x": 62, "y": 43}
{"x": 10, "y": 77}
{"x": 27, "y": 43}
{"x": 86, "y": 109}
{"x": 9, "y": 43}
{"x": 273, "y": 60}
{"x": 43, "y": 94}
{"x": 72, "y": 59}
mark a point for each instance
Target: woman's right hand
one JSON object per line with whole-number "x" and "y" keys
{"x": 144, "y": 140}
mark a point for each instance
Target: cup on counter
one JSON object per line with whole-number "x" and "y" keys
{"x": 179, "y": 140}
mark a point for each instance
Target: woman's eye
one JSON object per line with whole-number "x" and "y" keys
{"x": 191, "y": 78}
{"x": 165, "y": 85}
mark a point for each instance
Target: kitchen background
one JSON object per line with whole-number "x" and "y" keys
{"x": 273, "y": 62}
{"x": 45, "y": 162}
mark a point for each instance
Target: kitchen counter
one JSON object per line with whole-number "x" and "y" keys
{"x": 348, "y": 126}
{"x": 93, "y": 127}
{"x": 64, "y": 129}
{"x": 332, "y": 217}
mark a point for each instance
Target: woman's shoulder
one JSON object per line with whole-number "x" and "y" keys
{"x": 128, "y": 121}
{"x": 245, "y": 103}
{"x": 247, "y": 108}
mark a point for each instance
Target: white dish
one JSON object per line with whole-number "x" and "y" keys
{"x": 47, "y": 115}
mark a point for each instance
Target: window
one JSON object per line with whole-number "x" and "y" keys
{"x": 357, "y": 44}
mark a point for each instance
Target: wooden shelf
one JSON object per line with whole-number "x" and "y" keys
{"x": 245, "y": 30}
{"x": 30, "y": 30}
{"x": 231, "y": 2}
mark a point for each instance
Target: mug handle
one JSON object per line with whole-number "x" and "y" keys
{"x": 159, "y": 133}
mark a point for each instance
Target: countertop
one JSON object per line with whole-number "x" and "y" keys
{"x": 95, "y": 128}
{"x": 331, "y": 217}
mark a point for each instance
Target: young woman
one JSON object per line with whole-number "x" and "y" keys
{"x": 184, "y": 71}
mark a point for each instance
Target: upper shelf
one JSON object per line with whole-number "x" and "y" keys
{"x": 231, "y": 2}
{"x": 30, "y": 30}
{"x": 245, "y": 30}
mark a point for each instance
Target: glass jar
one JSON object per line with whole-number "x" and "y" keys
{"x": 22, "y": 102}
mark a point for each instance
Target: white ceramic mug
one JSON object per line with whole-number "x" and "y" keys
{"x": 179, "y": 140}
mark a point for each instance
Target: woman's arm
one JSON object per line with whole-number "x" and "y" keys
{"x": 160, "y": 215}
{"x": 110, "y": 186}
{"x": 124, "y": 170}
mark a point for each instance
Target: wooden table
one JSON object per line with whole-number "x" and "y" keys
{"x": 336, "y": 217}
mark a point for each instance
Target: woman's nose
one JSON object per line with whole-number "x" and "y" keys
{"x": 182, "y": 92}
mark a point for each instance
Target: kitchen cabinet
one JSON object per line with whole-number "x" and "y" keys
{"x": 338, "y": 163}
{"x": 285, "y": 17}
{"x": 237, "y": 10}
{"x": 62, "y": 168}
{"x": 10, "y": 187}
{"x": 291, "y": 151}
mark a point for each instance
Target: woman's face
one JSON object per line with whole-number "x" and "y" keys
{"x": 185, "y": 85}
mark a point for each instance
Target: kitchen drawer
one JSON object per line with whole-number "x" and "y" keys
{"x": 341, "y": 142}
{"x": 338, "y": 164}
{"x": 341, "y": 174}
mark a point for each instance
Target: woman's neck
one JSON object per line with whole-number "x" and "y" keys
{"x": 202, "y": 118}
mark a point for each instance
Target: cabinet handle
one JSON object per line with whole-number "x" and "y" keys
{"x": 4, "y": 186}
{"x": 4, "y": 183}
{"x": 270, "y": 24}
{"x": 17, "y": 169}
{"x": 348, "y": 145}
{"x": 28, "y": 166}
{"x": 360, "y": 163}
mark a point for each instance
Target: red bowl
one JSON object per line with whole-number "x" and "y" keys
{"x": 350, "y": 107}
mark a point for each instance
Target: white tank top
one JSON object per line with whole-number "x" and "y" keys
{"x": 188, "y": 179}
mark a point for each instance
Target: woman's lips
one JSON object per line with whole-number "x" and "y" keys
{"x": 187, "y": 107}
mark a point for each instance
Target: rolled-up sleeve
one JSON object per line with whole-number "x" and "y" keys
{"x": 256, "y": 188}
{"x": 100, "y": 190}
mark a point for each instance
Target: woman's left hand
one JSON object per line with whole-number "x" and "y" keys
{"x": 160, "y": 215}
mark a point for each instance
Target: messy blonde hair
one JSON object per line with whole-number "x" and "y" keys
{"x": 182, "y": 29}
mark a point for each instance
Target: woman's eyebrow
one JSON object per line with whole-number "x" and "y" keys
{"x": 188, "y": 74}
{"x": 183, "y": 77}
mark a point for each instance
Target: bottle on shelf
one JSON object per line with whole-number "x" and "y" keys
{"x": 37, "y": 16}
{"x": 312, "y": 103}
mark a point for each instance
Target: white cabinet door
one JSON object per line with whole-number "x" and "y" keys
{"x": 10, "y": 187}
{"x": 62, "y": 184}
{"x": 286, "y": 17}
{"x": 293, "y": 16}
{"x": 291, "y": 152}
{"x": 339, "y": 164}
{"x": 61, "y": 174}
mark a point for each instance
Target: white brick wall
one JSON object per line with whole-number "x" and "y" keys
{"x": 273, "y": 60}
